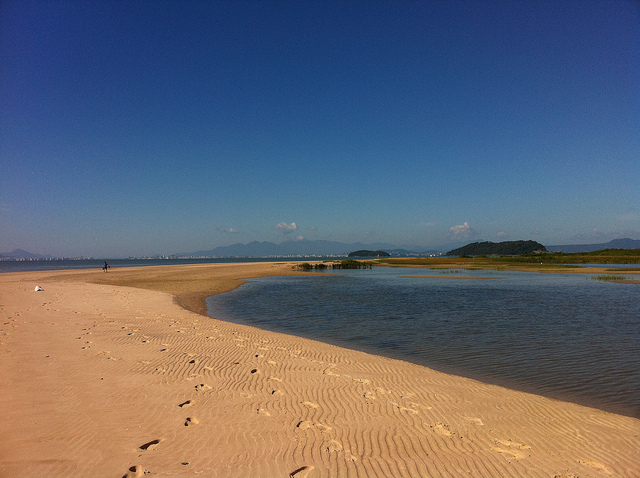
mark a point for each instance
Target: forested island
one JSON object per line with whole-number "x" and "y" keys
{"x": 506, "y": 248}
{"x": 366, "y": 253}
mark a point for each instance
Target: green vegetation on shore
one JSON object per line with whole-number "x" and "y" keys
{"x": 346, "y": 264}
{"x": 604, "y": 256}
{"x": 541, "y": 261}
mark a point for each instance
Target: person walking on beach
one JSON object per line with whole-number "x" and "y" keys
{"x": 105, "y": 266}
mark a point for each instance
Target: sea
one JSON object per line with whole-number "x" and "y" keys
{"x": 563, "y": 336}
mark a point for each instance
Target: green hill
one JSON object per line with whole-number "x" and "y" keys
{"x": 507, "y": 248}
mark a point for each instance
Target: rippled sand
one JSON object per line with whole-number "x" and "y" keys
{"x": 98, "y": 379}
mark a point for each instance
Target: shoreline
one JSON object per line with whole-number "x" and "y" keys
{"x": 192, "y": 294}
{"x": 127, "y": 378}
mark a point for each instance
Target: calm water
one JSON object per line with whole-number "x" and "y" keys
{"x": 559, "y": 335}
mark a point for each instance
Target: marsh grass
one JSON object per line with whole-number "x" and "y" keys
{"x": 551, "y": 261}
{"x": 609, "y": 277}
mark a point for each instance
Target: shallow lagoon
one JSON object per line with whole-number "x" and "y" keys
{"x": 559, "y": 335}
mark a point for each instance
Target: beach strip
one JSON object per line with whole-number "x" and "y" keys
{"x": 121, "y": 374}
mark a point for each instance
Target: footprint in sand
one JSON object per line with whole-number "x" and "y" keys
{"x": 404, "y": 409}
{"x": 475, "y": 421}
{"x": 441, "y": 429}
{"x": 150, "y": 445}
{"x": 310, "y": 405}
{"x": 333, "y": 446}
{"x": 134, "y": 472}
{"x": 302, "y": 472}
{"x": 277, "y": 393}
{"x": 330, "y": 372}
{"x": 511, "y": 449}
{"x": 191, "y": 421}
{"x": 595, "y": 464}
{"x": 263, "y": 412}
{"x": 508, "y": 453}
{"x": 188, "y": 403}
{"x": 203, "y": 387}
{"x": 513, "y": 444}
{"x": 323, "y": 428}
{"x": 306, "y": 425}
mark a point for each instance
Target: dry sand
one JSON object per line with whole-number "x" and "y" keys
{"x": 104, "y": 380}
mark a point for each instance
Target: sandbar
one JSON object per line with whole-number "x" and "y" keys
{"x": 121, "y": 374}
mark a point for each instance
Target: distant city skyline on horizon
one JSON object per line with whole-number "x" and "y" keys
{"x": 141, "y": 128}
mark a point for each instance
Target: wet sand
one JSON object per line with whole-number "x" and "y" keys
{"x": 120, "y": 373}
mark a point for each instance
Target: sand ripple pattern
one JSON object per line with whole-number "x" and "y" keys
{"x": 165, "y": 392}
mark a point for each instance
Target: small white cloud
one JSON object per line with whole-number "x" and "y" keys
{"x": 228, "y": 230}
{"x": 462, "y": 232}
{"x": 287, "y": 228}
{"x": 502, "y": 234}
{"x": 299, "y": 238}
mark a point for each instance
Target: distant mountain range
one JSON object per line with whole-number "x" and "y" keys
{"x": 333, "y": 248}
{"x": 330, "y": 248}
{"x": 614, "y": 244}
{"x": 22, "y": 254}
{"x": 298, "y": 248}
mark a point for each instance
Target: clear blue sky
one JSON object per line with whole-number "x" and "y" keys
{"x": 156, "y": 127}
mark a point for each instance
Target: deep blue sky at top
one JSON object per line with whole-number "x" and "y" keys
{"x": 147, "y": 127}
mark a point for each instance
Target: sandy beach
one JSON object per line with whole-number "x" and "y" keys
{"x": 123, "y": 374}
